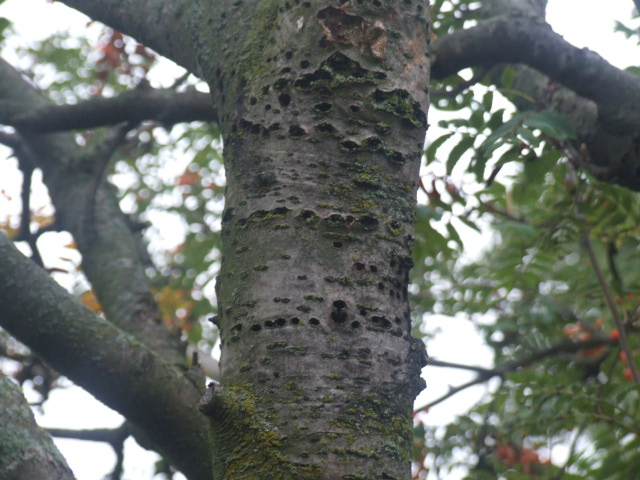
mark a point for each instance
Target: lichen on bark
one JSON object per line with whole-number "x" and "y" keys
{"x": 323, "y": 126}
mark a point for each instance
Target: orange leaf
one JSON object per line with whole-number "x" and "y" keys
{"x": 90, "y": 301}
{"x": 188, "y": 178}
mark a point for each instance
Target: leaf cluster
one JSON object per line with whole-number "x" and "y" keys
{"x": 563, "y": 405}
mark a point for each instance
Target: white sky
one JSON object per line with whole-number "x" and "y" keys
{"x": 585, "y": 23}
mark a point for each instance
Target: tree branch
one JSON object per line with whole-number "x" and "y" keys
{"x": 111, "y": 260}
{"x": 521, "y": 39}
{"x": 115, "y": 437}
{"x": 111, "y": 436}
{"x": 26, "y": 451}
{"x": 117, "y": 369}
{"x": 161, "y": 25}
{"x": 165, "y": 106}
{"x": 608, "y": 295}
{"x": 599, "y": 100}
{"x": 485, "y": 374}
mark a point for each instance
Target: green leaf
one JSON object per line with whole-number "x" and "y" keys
{"x": 551, "y": 123}
{"x": 453, "y": 234}
{"x": 464, "y": 145}
{"x": 508, "y": 77}
{"x": 432, "y": 148}
{"x": 506, "y": 129}
{"x": 487, "y": 100}
{"x": 4, "y": 24}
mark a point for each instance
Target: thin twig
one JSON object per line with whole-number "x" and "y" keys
{"x": 101, "y": 160}
{"x": 608, "y": 295}
{"x": 485, "y": 374}
{"x": 462, "y": 86}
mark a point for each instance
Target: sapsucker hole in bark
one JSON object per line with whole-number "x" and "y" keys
{"x": 281, "y": 83}
{"x": 296, "y": 131}
{"x": 323, "y": 107}
{"x": 339, "y": 311}
{"x": 284, "y": 99}
{"x": 368, "y": 222}
{"x": 326, "y": 128}
{"x": 349, "y": 146}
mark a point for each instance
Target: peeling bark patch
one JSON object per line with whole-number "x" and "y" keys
{"x": 341, "y": 27}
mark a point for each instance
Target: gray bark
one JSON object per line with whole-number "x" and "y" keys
{"x": 324, "y": 121}
{"x": 26, "y": 450}
{"x": 158, "y": 399}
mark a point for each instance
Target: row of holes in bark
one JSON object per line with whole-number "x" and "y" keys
{"x": 338, "y": 315}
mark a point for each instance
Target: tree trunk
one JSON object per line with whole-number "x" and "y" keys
{"x": 323, "y": 116}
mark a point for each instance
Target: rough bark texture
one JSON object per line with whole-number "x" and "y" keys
{"x": 156, "y": 398}
{"x": 26, "y": 450}
{"x": 323, "y": 115}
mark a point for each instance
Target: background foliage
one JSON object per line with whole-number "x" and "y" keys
{"x": 565, "y": 404}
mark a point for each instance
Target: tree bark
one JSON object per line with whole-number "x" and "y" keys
{"x": 323, "y": 111}
{"x": 26, "y": 450}
{"x": 158, "y": 399}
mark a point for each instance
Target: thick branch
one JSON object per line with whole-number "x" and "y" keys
{"x": 113, "y": 366}
{"x": 111, "y": 260}
{"x": 26, "y": 451}
{"x": 520, "y": 39}
{"x": 162, "y": 25}
{"x": 166, "y": 106}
